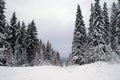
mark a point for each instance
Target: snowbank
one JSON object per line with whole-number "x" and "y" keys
{"x": 96, "y": 71}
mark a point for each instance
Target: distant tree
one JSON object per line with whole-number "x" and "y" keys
{"x": 48, "y": 53}
{"x": 39, "y": 55}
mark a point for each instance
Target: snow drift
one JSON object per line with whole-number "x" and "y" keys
{"x": 96, "y": 71}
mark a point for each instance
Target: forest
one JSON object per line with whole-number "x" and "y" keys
{"x": 20, "y": 45}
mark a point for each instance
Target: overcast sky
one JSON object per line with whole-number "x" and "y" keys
{"x": 54, "y": 19}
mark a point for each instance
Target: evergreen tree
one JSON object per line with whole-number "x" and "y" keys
{"x": 48, "y": 51}
{"x": 98, "y": 50}
{"x": 12, "y": 32}
{"x": 91, "y": 20}
{"x": 2, "y": 33}
{"x": 106, "y": 23}
{"x": 90, "y": 29}
{"x": 2, "y": 17}
{"x": 112, "y": 26}
{"x": 117, "y": 29}
{"x": 32, "y": 42}
{"x": 79, "y": 38}
{"x": 39, "y": 55}
{"x": 21, "y": 44}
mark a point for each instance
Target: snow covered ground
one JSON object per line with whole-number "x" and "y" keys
{"x": 96, "y": 71}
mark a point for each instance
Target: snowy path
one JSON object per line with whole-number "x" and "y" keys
{"x": 97, "y": 71}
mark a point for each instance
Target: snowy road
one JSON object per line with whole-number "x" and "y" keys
{"x": 97, "y": 71}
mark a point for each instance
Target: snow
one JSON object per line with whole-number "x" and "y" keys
{"x": 96, "y": 71}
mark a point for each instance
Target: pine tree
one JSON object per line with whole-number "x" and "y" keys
{"x": 91, "y": 20}
{"x": 12, "y": 32}
{"x": 106, "y": 23}
{"x": 21, "y": 45}
{"x": 79, "y": 38}
{"x": 90, "y": 29}
{"x": 97, "y": 36}
{"x": 39, "y": 55}
{"x": 2, "y": 33}
{"x": 117, "y": 29}
{"x": 48, "y": 51}
{"x": 32, "y": 42}
{"x": 2, "y": 17}
{"x": 112, "y": 26}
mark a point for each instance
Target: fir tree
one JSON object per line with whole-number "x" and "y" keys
{"x": 112, "y": 26}
{"x": 32, "y": 42}
{"x": 91, "y": 20}
{"x": 106, "y": 23}
{"x": 3, "y": 34}
{"x": 117, "y": 29}
{"x": 48, "y": 51}
{"x": 98, "y": 50}
{"x": 79, "y": 38}
{"x": 13, "y": 31}
{"x": 12, "y": 40}
{"x": 2, "y": 17}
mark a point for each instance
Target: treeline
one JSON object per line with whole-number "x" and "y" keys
{"x": 102, "y": 42}
{"x": 20, "y": 46}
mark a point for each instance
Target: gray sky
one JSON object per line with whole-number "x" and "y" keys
{"x": 55, "y": 19}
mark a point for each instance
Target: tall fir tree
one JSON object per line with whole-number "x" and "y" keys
{"x": 112, "y": 26}
{"x": 98, "y": 50}
{"x": 79, "y": 38}
{"x": 91, "y": 20}
{"x": 32, "y": 42}
{"x": 12, "y": 40}
{"x": 117, "y": 29}
{"x": 90, "y": 29}
{"x": 106, "y": 23}
{"x": 13, "y": 31}
{"x": 2, "y": 17}
{"x": 3, "y": 34}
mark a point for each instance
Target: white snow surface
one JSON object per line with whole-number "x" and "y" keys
{"x": 96, "y": 71}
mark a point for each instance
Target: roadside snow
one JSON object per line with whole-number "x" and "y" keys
{"x": 96, "y": 71}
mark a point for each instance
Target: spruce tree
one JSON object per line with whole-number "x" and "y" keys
{"x": 91, "y": 20}
{"x": 106, "y": 23}
{"x": 98, "y": 31}
{"x": 79, "y": 38}
{"x": 21, "y": 44}
{"x": 13, "y": 30}
{"x": 90, "y": 29}
{"x": 3, "y": 35}
{"x": 48, "y": 51}
{"x": 117, "y": 29}
{"x": 112, "y": 26}
{"x": 32, "y": 42}
{"x": 2, "y": 17}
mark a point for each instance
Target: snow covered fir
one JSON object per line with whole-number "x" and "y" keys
{"x": 20, "y": 46}
{"x": 102, "y": 42}
{"x": 95, "y": 52}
